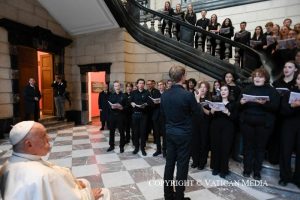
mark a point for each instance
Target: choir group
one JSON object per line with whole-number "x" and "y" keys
{"x": 249, "y": 123}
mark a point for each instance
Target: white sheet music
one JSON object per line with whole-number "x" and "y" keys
{"x": 294, "y": 96}
{"x": 115, "y": 105}
{"x": 155, "y": 100}
{"x": 253, "y": 98}
{"x": 218, "y": 106}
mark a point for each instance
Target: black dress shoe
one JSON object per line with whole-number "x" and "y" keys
{"x": 194, "y": 165}
{"x": 223, "y": 175}
{"x": 257, "y": 176}
{"x": 246, "y": 174}
{"x": 135, "y": 151}
{"x": 238, "y": 159}
{"x": 144, "y": 152}
{"x": 215, "y": 172}
{"x": 200, "y": 167}
{"x": 282, "y": 182}
{"x": 157, "y": 153}
{"x": 121, "y": 149}
{"x": 110, "y": 148}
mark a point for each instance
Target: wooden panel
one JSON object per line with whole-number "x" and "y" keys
{"x": 47, "y": 78}
{"x": 28, "y": 66}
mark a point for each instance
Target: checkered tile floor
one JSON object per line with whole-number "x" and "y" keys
{"x": 128, "y": 176}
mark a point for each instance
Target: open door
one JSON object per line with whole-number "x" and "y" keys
{"x": 28, "y": 68}
{"x": 46, "y": 81}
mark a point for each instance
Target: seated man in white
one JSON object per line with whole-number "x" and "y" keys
{"x": 25, "y": 176}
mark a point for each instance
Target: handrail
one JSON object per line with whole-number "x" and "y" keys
{"x": 195, "y": 28}
{"x": 201, "y": 61}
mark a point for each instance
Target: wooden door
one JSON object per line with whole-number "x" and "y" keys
{"x": 28, "y": 68}
{"x": 46, "y": 81}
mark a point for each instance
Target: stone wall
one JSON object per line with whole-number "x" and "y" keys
{"x": 6, "y": 99}
{"x": 130, "y": 60}
{"x": 28, "y": 12}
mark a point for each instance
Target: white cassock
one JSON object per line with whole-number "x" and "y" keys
{"x": 28, "y": 177}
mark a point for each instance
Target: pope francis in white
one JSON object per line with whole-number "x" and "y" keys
{"x": 25, "y": 176}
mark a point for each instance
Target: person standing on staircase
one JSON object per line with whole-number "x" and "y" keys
{"x": 59, "y": 88}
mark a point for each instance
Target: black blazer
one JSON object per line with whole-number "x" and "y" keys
{"x": 30, "y": 103}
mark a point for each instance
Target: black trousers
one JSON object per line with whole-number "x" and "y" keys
{"x": 35, "y": 113}
{"x": 290, "y": 138}
{"x": 274, "y": 142}
{"x": 162, "y": 125}
{"x": 116, "y": 122}
{"x": 222, "y": 132}
{"x": 178, "y": 153}
{"x": 255, "y": 139}
{"x": 204, "y": 145}
{"x": 128, "y": 126}
{"x": 139, "y": 124}
{"x": 156, "y": 134}
{"x": 196, "y": 141}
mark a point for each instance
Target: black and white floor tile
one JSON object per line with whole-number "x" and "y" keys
{"x": 129, "y": 176}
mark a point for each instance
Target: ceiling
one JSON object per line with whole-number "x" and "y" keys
{"x": 80, "y": 16}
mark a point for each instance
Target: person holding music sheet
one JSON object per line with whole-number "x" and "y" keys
{"x": 117, "y": 102}
{"x": 154, "y": 105}
{"x": 290, "y": 137}
{"x": 283, "y": 85}
{"x": 243, "y": 37}
{"x": 257, "y": 119}
{"x": 139, "y": 101}
{"x": 203, "y": 22}
{"x": 168, "y": 10}
{"x": 226, "y": 30}
{"x": 257, "y": 42}
{"x": 161, "y": 125}
{"x": 201, "y": 139}
{"x": 222, "y": 133}
{"x": 128, "y": 114}
{"x": 213, "y": 27}
{"x": 285, "y": 49}
{"x": 258, "y": 39}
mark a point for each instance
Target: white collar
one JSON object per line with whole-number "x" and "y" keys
{"x": 27, "y": 156}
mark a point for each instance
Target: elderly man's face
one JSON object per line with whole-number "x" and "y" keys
{"x": 39, "y": 140}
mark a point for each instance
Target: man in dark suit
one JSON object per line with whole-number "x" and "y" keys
{"x": 178, "y": 106}
{"x": 104, "y": 106}
{"x": 243, "y": 37}
{"x": 32, "y": 96}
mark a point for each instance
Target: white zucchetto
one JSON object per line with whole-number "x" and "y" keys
{"x": 19, "y": 131}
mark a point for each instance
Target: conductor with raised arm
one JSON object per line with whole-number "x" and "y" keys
{"x": 178, "y": 106}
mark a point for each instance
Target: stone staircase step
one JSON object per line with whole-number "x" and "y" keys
{"x": 59, "y": 126}
{"x": 47, "y": 118}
